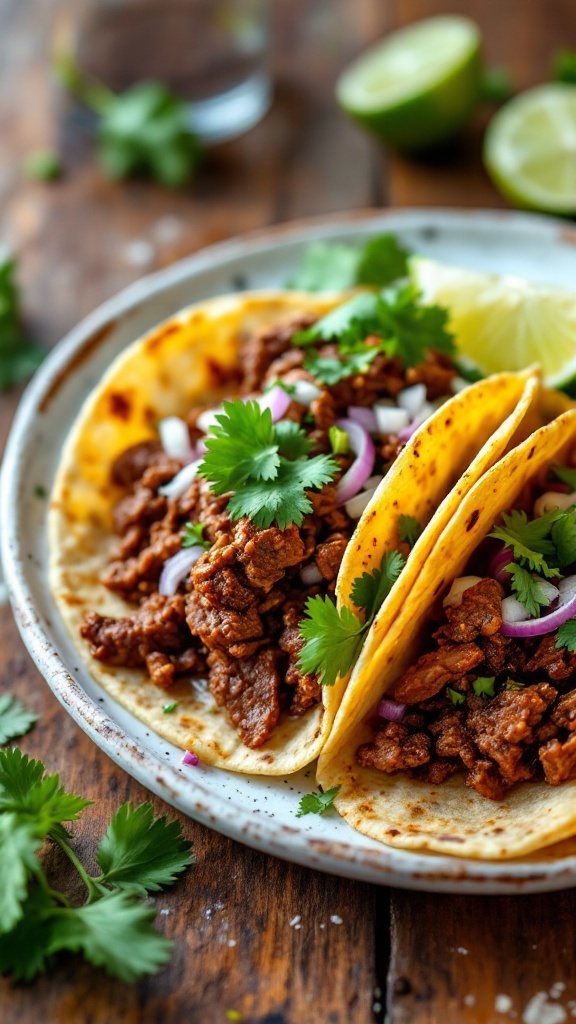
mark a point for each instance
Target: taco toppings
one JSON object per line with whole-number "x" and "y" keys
{"x": 236, "y": 516}
{"x": 494, "y": 694}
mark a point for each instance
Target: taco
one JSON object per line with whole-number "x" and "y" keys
{"x": 187, "y": 535}
{"x": 458, "y": 734}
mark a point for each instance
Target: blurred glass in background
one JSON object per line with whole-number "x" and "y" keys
{"x": 212, "y": 53}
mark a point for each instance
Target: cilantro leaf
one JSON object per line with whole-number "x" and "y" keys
{"x": 511, "y": 684}
{"x": 141, "y": 853}
{"x": 317, "y": 803}
{"x": 349, "y": 322}
{"x": 115, "y": 932}
{"x": 19, "y": 842}
{"x": 327, "y": 266}
{"x": 43, "y": 800}
{"x": 566, "y": 636}
{"x": 566, "y": 475}
{"x": 370, "y": 589}
{"x": 291, "y": 440}
{"x": 24, "y": 950}
{"x": 529, "y": 540}
{"x": 413, "y": 326}
{"x": 194, "y": 535}
{"x": 528, "y": 589}
{"x": 332, "y": 640}
{"x": 484, "y": 686}
{"x": 283, "y": 500}
{"x": 19, "y": 358}
{"x": 167, "y": 709}
{"x": 14, "y": 719}
{"x": 457, "y": 698}
{"x": 330, "y": 370}
{"x": 564, "y": 538}
{"x": 382, "y": 261}
{"x": 240, "y": 447}
{"x": 409, "y": 529}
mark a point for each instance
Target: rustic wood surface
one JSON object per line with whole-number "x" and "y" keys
{"x": 446, "y": 959}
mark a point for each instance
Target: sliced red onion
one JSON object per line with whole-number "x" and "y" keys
{"x": 277, "y": 400}
{"x": 363, "y": 447}
{"x": 424, "y": 414}
{"x": 391, "y": 710}
{"x": 355, "y": 507}
{"x": 310, "y": 574}
{"x": 459, "y": 586}
{"x": 412, "y": 399}
{"x": 305, "y": 392}
{"x": 496, "y": 567}
{"x": 546, "y": 624}
{"x": 176, "y": 568}
{"x": 390, "y": 419}
{"x": 567, "y": 589}
{"x": 175, "y": 438}
{"x": 179, "y": 483}
{"x": 191, "y": 758}
{"x": 365, "y": 417}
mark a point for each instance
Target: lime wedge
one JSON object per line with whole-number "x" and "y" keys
{"x": 530, "y": 149}
{"x": 504, "y": 322}
{"x": 419, "y": 85}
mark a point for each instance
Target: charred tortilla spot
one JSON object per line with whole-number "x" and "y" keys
{"x": 393, "y": 832}
{"x": 530, "y": 453}
{"x": 472, "y": 520}
{"x": 120, "y": 405}
{"x": 153, "y": 344}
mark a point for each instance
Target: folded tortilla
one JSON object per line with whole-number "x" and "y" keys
{"x": 182, "y": 363}
{"x": 447, "y": 818}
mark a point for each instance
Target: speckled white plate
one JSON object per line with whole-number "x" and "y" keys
{"x": 256, "y": 811}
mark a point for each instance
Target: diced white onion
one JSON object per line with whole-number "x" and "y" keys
{"x": 310, "y": 574}
{"x": 453, "y": 598}
{"x": 175, "y": 438}
{"x": 305, "y": 392}
{"x": 412, "y": 399}
{"x": 567, "y": 589}
{"x": 176, "y": 568}
{"x": 179, "y": 483}
{"x": 549, "y": 590}
{"x": 390, "y": 419}
{"x": 553, "y": 499}
{"x": 355, "y": 507}
{"x": 513, "y": 611}
{"x": 207, "y": 419}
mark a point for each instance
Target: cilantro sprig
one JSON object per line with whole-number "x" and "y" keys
{"x": 566, "y": 636}
{"x": 335, "y": 266}
{"x": 19, "y": 358}
{"x": 15, "y": 720}
{"x": 193, "y": 536}
{"x": 113, "y": 928}
{"x": 333, "y": 637}
{"x": 409, "y": 529}
{"x": 317, "y": 803}
{"x": 263, "y": 465}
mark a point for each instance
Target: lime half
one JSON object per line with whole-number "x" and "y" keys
{"x": 530, "y": 149}
{"x": 419, "y": 85}
{"x": 504, "y": 322}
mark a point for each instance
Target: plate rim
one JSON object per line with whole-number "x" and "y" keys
{"x": 385, "y": 865}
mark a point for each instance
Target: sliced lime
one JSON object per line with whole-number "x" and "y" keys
{"x": 419, "y": 85}
{"x": 504, "y": 322}
{"x": 530, "y": 149}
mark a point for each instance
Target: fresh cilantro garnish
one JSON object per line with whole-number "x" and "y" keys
{"x": 43, "y": 165}
{"x": 455, "y": 696}
{"x": 528, "y": 589}
{"x": 317, "y": 803}
{"x": 335, "y": 266}
{"x": 564, "y": 538}
{"x": 566, "y": 475}
{"x": 564, "y": 66}
{"x": 347, "y": 324}
{"x": 246, "y": 454}
{"x": 330, "y": 371}
{"x": 511, "y": 684}
{"x": 113, "y": 928}
{"x": 370, "y": 589}
{"x": 18, "y": 356}
{"x": 14, "y": 719}
{"x": 484, "y": 686}
{"x": 167, "y": 709}
{"x": 566, "y": 636}
{"x": 339, "y": 441}
{"x": 412, "y": 326}
{"x": 529, "y": 540}
{"x": 290, "y": 389}
{"x": 194, "y": 535}
{"x": 144, "y": 130}
{"x": 409, "y": 529}
{"x": 332, "y": 638}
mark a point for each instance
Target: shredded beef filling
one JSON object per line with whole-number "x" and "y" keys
{"x": 236, "y": 616}
{"x": 527, "y": 730}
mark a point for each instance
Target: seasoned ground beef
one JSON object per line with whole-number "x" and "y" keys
{"x": 526, "y": 730}
{"x": 236, "y": 615}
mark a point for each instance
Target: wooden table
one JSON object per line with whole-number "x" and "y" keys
{"x": 413, "y": 957}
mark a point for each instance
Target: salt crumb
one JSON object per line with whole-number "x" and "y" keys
{"x": 295, "y": 921}
{"x": 231, "y": 942}
{"x": 557, "y": 989}
{"x": 165, "y": 910}
{"x": 166, "y": 230}
{"x": 540, "y": 1011}
{"x": 469, "y": 1000}
{"x": 322, "y": 925}
{"x": 335, "y": 919}
{"x": 139, "y": 253}
{"x": 208, "y": 912}
{"x": 502, "y": 1004}
{"x": 462, "y": 950}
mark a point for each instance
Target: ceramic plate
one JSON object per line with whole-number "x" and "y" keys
{"x": 256, "y": 811}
